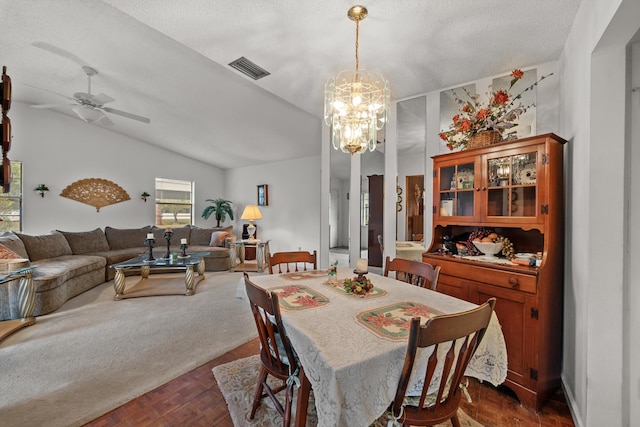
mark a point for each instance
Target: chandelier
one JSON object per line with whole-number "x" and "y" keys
{"x": 356, "y": 104}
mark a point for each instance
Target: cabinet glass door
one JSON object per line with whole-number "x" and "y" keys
{"x": 457, "y": 190}
{"x": 512, "y": 185}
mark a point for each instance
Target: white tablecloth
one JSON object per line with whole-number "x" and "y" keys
{"x": 354, "y": 373}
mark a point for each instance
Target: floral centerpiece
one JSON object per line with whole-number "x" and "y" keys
{"x": 359, "y": 285}
{"x": 333, "y": 272}
{"x": 475, "y": 117}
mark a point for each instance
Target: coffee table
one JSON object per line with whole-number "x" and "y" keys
{"x": 159, "y": 284}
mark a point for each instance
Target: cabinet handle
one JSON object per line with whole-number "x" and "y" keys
{"x": 513, "y": 282}
{"x": 484, "y": 188}
{"x": 477, "y": 188}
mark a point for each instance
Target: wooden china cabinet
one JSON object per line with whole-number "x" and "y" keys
{"x": 516, "y": 188}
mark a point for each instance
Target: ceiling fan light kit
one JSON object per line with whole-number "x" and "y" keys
{"x": 90, "y": 108}
{"x": 356, "y": 103}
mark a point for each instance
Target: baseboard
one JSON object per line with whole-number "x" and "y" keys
{"x": 571, "y": 401}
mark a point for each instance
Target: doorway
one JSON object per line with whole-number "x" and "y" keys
{"x": 414, "y": 208}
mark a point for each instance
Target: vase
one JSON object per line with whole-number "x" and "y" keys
{"x": 484, "y": 138}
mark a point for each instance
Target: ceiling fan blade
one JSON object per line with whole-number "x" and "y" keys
{"x": 58, "y": 51}
{"x": 127, "y": 115}
{"x": 88, "y": 114}
{"x": 100, "y": 99}
{"x": 47, "y": 90}
{"x": 105, "y": 121}
{"x": 52, "y": 105}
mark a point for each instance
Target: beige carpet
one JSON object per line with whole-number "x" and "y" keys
{"x": 94, "y": 353}
{"x": 237, "y": 381}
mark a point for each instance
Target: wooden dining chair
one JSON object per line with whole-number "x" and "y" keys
{"x": 277, "y": 356}
{"x": 455, "y": 338}
{"x": 415, "y": 272}
{"x": 286, "y": 262}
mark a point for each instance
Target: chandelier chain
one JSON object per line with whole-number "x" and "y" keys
{"x": 357, "y": 44}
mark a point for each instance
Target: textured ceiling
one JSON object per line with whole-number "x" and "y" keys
{"x": 167, "y": 60}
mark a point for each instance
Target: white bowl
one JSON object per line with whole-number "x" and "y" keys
{"x": 488, "y": 248}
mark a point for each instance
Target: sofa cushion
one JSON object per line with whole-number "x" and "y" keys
{"x": 45, "y": 246}
{"x": 13, "y": 243}
{"x": 85, "y": 242}
{"x": 54, "y": 272}
{"x": 178, "y": 234}
{"x": 218, "y": 238}
{"x": 202, "y": 236}
{"x": 123, "y": 238}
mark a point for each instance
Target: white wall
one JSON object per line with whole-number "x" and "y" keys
{"x": 292, "y": 219}
{"x": 593, "y": 103}
{"x": 57, "y": 150}
{"x": 633, "y": 236}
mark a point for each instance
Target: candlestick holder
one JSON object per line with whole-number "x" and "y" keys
{"x": 149, "y": 243}
{"x": 183, "y": 246}
{"x": 361, "y": 275}
{"x": 167, "y": 237}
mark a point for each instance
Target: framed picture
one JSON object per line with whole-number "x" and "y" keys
{"x": 263, "y": 195}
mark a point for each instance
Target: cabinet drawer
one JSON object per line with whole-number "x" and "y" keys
{"x": 519, "y": 282}
{"x": 467, "y": 272}
{"x": 453, "y": 286}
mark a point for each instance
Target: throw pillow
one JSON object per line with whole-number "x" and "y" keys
{"x": 125, "y": 238}
{"x": 202, "y": 236}
{"x": 45, "y": 245}
{"x": 85, "y": 242}
{"x": 218, "y": 238}
{"x": 13, "y": 242}
{"x": 6, "y": 253}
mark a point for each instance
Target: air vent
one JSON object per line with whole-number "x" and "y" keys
{"x": 247, "y": 67}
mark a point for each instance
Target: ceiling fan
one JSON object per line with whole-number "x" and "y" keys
{"x": 90, "y": 108}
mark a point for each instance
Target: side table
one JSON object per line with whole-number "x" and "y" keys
{"x": 26, "y": 301}
{"x": 237, "y": 253}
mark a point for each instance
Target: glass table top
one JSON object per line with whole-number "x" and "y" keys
{"x": 192, "y": 258}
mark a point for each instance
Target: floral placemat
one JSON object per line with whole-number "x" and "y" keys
{"x": 298, "y": 297}
{"x": 339, "y": 288}
{"x": 301, "y": 275}
{"x": 394, "y": 321}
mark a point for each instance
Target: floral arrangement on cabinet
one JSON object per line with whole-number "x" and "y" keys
{"x": 499, "y": 114}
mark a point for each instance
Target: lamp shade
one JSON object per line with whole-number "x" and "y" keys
{"x": 251, "y": 212}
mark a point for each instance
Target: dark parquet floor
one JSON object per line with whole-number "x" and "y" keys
{"x": 194, "y": 399}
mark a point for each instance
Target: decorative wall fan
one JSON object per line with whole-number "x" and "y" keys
{"x": 89, "y": 107}
{"x": 96, "y": 192}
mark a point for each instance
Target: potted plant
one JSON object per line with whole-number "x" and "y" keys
{"x": 221, "y": 208}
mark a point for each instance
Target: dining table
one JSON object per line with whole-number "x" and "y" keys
{"x": 351, "y": 347}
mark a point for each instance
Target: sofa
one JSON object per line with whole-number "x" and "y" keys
{"x": 69, "y": 263}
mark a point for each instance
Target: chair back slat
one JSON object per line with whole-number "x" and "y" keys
{"x": 415, "y": 272}
{"x": 454, "y": 338}
{"x": 287, "y": 262}
{"x": 265, "y": 307}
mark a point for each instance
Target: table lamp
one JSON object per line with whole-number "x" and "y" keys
{"x": 251, "y": 212}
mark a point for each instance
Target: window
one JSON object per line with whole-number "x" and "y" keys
{"x": 174, "y": 202}
{"x": 11, "y": 202}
